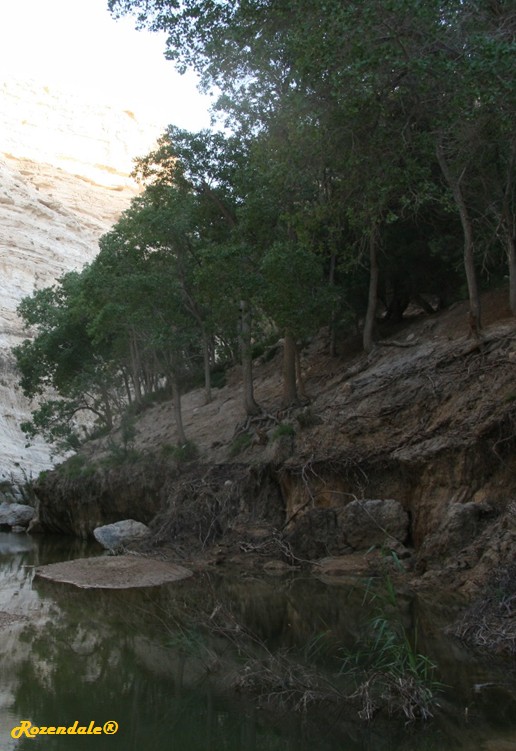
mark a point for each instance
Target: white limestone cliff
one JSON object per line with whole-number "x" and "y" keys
{"x": 64, "y": 180}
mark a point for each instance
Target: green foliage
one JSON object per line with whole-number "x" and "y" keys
{"x": 218, "y": 377}
{"x": 77, "y": 466}
{"x": 62, "y": 366}
{"x": 54, "y": 420}
{"x": 123, "y": 451}
{"x": 240, "y": 444}
{"x": 327, "y": 166}
{"x": 387, "y": 667}
{"x": 119, "y": 455}
{"x": 182, "y": 453}
{"x": 283, "y": 429}
{"x": 295, "y": 294}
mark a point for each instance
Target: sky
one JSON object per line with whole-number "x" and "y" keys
{"x": 76, "y": 45}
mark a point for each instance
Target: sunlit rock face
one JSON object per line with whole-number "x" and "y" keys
{"x": 64, "y": 180}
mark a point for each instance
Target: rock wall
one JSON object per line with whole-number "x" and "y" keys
{"x": 64, "y": 180}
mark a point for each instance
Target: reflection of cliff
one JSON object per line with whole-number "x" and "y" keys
{"x": 124, "y": 656}
{"x": 18, "y": 603}
{"x": 64, "y": 180}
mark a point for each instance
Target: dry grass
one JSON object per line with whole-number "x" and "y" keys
{"x": 490, "y": 623}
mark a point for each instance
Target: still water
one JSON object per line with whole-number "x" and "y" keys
{"x": 145, "y": 660}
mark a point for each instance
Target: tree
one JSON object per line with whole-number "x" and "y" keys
{"x": 206, "y": 165}
{"x": 61, "y": 365}
{"x": 140, "y": 306}
{"x": 296, "y": 297}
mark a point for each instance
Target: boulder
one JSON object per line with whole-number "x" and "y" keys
{"x": 315, "y": 534}
{"x": 15, "y": 514}
{"x": 458, "y": 528}
{"x": 373, "y": 522}
{"x": 114, "y": 536}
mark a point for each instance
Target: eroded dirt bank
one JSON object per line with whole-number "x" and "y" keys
{"x": 427, "y": 420}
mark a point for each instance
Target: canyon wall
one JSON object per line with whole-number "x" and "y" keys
{"x": 65, "y": 168}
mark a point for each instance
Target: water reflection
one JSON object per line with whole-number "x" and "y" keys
{"x": 10, "y": 543}
{"x": 144, "y": 659}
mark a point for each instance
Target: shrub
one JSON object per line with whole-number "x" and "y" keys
{"x": 77, "y": 465}
{"x": 240, "y": 444}
{"x": 389, "y": 671}
{"x": 185, "y": 452}
{"x": 284, "y": 429}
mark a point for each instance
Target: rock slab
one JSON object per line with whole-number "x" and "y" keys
{"x": 113, "y": 572}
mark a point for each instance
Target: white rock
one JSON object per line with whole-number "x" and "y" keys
{"x": 15, "y": 514}
{"x": 114, "y": 536}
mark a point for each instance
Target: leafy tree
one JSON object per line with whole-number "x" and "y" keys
{"x": 140, "y": 312}
{"x": 207, "y": 164}
{"x": 61, "y": 366}
{"x": 298, "y": 300}
{"x": 428, "y": 74}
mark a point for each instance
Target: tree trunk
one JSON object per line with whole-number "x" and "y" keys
{"x": 299, "y": 378}
{"x": 127, "y": 386}
{"x": 206, "y": 359}
{"x": 511, "y": 261}
{"x": 289, "y": 371}
{"x": 475, "y": 322}
{"x": 250, "y": 406}
{"x": 178, "y": 414}
{"x": 108, "y": 412}
{"x": 373, "y": 291}
{"x": 135, "y": 370}
{"x": 333, "y": 332}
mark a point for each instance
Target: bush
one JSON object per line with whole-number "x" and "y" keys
{"x": 77, "y": 465}
{"x": 240, "y": 444}
{"x": 119, "y": 455}
{"x": 388, "y": 670}
{"x": 284, "y": 429}
{"x": 181, "y": 453}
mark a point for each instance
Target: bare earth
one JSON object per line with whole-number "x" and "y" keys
{"x": 113, "y": 572}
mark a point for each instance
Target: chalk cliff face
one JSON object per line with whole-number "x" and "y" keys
{"x": 64, "y": 180}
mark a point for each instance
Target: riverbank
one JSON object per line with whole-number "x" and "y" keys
{"x": 408, "y": 450}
